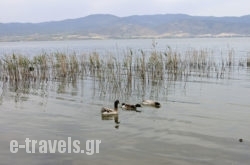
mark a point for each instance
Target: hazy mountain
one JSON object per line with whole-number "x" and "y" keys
{"x": 144, "y": 26}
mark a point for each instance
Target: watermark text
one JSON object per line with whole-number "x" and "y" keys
{"x": 56, "y": 146}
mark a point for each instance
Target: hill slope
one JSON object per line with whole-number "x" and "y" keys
{"x": 144, "y": 26}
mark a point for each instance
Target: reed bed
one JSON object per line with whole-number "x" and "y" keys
{"x": 147, "y": 67}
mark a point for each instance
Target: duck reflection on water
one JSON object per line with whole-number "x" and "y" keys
{"x": 112, "y": 117}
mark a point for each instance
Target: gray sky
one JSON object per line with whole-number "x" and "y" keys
{"x": 50, "y": 10}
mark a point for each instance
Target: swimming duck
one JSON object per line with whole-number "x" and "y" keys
{"x": 110, "y": 111}
{"x": 130, "y": 107}
{"x": 151, "y": 103}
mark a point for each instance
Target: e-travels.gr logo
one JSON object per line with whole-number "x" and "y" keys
{"x": 56, "y": 146}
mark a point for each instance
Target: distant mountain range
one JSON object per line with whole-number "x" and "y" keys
{"x": 101, "y": 26}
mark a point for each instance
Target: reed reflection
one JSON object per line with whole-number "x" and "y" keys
{"x": 135, "y": 73}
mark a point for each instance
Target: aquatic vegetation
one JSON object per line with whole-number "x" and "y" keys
{"x": 248, "y": 59}
{"x": 131, "y": 71}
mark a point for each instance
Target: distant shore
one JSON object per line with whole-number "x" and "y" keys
{"x": 106, "y": 26}
{"x": 98, "y": 37}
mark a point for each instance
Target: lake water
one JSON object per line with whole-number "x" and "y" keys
{"x": 200, "y": 121}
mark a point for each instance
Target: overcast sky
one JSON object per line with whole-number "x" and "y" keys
{"x": 51, "y": 10}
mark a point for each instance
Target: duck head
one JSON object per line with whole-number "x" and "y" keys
{"x": 157, "y": 105}
{"x": 116, "y": 104}
{"x": 137, "y": 105}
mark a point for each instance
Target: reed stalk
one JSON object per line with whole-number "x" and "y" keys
{"x": 151, "y": 67}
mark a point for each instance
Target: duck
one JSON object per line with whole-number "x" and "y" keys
{"x": 151, "y": 103}
{"x": 130, "y": 106}
{"x": 110, "y": 111}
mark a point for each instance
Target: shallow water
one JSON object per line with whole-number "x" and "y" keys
{"x": 200, "y": 121}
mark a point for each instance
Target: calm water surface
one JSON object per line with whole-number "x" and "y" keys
{"x": 200, "y": 122}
